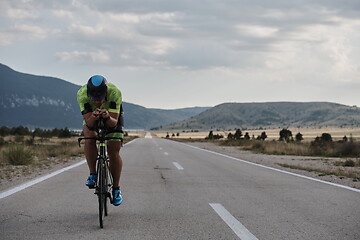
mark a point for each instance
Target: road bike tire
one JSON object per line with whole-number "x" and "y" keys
{"x": 106, "y": 172}
{"x": 101, "y": 192}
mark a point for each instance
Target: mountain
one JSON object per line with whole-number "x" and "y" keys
{"x": 47, "y": 102}
{"x": 136, "y": 116}
{"x": 272, "y": 114}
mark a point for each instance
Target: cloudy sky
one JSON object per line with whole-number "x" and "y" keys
{"x": 172, "y": 54}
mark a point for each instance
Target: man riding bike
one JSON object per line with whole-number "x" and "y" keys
{"x": 100, "y": 99}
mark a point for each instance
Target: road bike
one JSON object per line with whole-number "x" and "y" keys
{"x": 104, "y": 181}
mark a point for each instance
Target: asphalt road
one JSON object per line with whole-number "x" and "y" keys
{"x": 174, "y": 191}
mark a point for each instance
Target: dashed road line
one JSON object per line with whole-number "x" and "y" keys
{"x": 240, "y": 230}
{"x": 148, "y": 135}
{"x": 178, "y": 166}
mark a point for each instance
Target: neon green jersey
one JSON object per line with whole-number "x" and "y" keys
{"x": 112, "y": 102}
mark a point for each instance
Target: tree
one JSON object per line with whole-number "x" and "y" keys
{"x": 247, "y": 136}
{"x": 263, "y": 136}
{"x": 64, "y": 133}
{"x": 230, "y": 136}
{"x": 299, "y": 137}
{"x": 21, "y": 130}
{"x": 238, "y": 134}
{"x": 345, "y": 139}
{"x": 4, "y": 131}
{"x": 211, "y": 135}
{"x": 326, "y": 137}
{"x": 285, "y": 135}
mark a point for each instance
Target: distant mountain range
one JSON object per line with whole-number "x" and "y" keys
{"x": 47, "y": 102}
{"x": 273, "y": 115}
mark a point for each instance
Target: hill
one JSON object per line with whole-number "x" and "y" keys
{"x": 273, "y": 115}
{"x": 47, "y": 102}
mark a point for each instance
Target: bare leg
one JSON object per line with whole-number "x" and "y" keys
{"x": 90, "y": 149}
{"x": 115, "y": 161}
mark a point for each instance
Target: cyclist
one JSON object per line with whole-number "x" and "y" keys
{"x": 96, "y": 99}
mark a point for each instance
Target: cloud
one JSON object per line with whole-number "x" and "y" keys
{"x": 257, "y": 31}
{"x": 297, "y": 43}
{"x": 21, "y": 14}
{"x": 84, "y": 57}
{"x": 23, "y": 32}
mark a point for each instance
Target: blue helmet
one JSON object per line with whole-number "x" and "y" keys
{"x": 97, "y": 87}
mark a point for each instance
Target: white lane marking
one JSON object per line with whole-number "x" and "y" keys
{"x": 40, "y": 179}
{"x": 160, "y": 148}
{"x": 43, "y": 178}
{"x": 148, "y": 135}
{"x": 275, "y": 169}
{"x": 167, "y": 154}
{"x": 128, "y": 143}
{"x": 240, "y": 230}
{"x": 178, "y": 166}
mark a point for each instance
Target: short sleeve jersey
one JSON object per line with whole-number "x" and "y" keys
{"x": 112, "y": 102}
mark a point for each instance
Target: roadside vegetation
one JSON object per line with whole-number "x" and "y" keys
{"x": 323, "y": 147}
{"x": 24, "y": 152}
{"x": 288, "y": 145}
{"x": 323, "y": 157}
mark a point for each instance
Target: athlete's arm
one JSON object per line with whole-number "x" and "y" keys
{"x": 90, "y": 119}
{"x": 112, "y": 118}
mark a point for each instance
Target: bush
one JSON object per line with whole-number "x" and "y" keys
{"x": 258, "y": 146}
{"x": 19, "y": 138}
{"x": 64, "y": 133}
{"x": 349, "y": 149}
{"x": 247, "y": 136}
{"x": 263, "y": 136}
{"x": 285, "y": 135}
{"x": 238, "y": 134}
{"x": 299, "y": 137}
{"x": 349, "y": 163}
{"x": 211, "y": 136}
{"x": 18, "y": 155}
{"x": 326, "y": 137}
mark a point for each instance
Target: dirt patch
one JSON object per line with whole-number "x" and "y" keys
{"x": 324, "y": 168}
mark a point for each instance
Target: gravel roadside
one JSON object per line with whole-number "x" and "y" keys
{"x": 20, "y": 174}
{"x": 324, "y": 168}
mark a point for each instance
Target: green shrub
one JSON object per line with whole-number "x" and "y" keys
{"x": 349, "y": 149}
{"x": 18, "y": 155}
{"x": 349, "y": 163}
{"x": 258, "y": 146}
{"x": 19, "y": 138}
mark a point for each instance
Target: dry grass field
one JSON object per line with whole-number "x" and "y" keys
{"x": 309, "y": 134}
{"x": 22, "y": 158}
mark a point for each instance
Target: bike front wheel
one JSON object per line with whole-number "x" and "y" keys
{"x": 102, "y": 191}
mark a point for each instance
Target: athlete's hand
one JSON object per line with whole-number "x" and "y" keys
{"x": 96, "y": 114}
{"x": 102, "y": 113}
